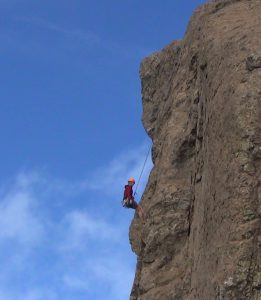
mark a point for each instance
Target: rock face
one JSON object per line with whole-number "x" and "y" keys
{"x": 201, "y": 99}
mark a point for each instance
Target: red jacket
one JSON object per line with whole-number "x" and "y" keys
{"x": 128, "y": 192}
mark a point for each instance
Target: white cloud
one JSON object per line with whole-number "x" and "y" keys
{"x": 116, "y": 271}
{"x": 24, "y": 180}
{"x": 81, "y": 229}
{"x": 113, "y": 273}
{"x": 82, "y": 250}
{"x": 18, "y": 221}
{"x": 112, "y": 177}
{"x": 39, "y": 294}
{"x": 75, "y": 282}
{"x": 36, "y": 293}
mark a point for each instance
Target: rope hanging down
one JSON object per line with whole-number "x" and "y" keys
{"x": 163, "y": 110}
{"x": 147, "y": 156}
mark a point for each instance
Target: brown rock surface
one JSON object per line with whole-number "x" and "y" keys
{"x": 201, "y": 99}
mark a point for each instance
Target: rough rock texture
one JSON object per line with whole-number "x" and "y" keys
{"x": 201, "y": 99}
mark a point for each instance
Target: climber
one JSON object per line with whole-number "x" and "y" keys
{"x": 128, "y": 199}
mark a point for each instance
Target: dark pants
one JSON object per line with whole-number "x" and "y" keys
{"x": 131, "y": 204}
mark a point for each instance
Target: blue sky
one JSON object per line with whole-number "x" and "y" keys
{"x": 71, "y": 134}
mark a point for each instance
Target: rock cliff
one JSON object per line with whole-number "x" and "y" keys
{"x": 201, "y": 100}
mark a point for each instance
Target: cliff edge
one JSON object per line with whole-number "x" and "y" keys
{"x": 201, "y": 100}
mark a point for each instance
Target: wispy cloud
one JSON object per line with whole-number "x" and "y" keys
{"x": 83, "y": 229}
{"x": 18, "y": 216}
{"x": 84, "y": 36}
{"x": 111, "y": 177}
{"x": 76, "y": 37}
{"x": 116, "y": 271}
{"x": 75, "y": 282}
{"x": 80, "y": 252}
{"x": 37, "y": 293}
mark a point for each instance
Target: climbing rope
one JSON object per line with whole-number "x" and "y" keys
{"x": 142, "y": 170}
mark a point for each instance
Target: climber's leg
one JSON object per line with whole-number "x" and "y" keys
{"x": 134, "y": 205}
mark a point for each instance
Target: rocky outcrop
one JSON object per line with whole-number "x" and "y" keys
{"x": 201, "y": 100}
